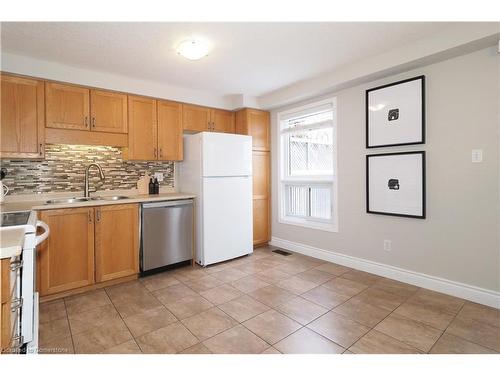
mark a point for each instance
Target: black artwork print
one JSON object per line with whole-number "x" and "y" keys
{"x": 393, "y": 184}
{"x": 393, "y": 114}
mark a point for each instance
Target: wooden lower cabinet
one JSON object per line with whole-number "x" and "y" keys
{"x": 261, "y": 223}
{"x": 87, "y": 246}
{"x": 66, "y": 258}
{"x": 116, "y": 241}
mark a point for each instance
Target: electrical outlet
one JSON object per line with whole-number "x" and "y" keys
{"x": 477, "y": 156}
{"x": 158, "y": 176}
{"x": 387, "y": 245}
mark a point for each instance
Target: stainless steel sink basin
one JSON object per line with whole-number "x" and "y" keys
{"x": 71, "y": 200}
{"x": 114, "y": 198}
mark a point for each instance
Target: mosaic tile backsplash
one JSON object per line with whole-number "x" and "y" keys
{"x": 63, "y": 170}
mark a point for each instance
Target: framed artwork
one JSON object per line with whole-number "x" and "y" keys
{"x": 395, "y": 114}
{"x": 395, "y": 184}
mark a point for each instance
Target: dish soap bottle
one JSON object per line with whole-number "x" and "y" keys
{"x": 151, "y": 186}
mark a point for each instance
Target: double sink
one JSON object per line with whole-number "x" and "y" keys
{"x": 85, "y": 199}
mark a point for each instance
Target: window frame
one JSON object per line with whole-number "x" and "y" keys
{"x": 284, "y": 179}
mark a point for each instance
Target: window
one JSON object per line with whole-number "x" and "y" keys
{"x": 308, "y": 166}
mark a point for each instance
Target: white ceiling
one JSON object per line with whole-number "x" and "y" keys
{"x": 247, "y": 58}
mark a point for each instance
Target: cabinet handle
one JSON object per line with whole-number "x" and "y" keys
{"x": 161, "y": 153}
{"x": 98, "y": 214}
{"x": 155, "y": 152}
{"x": 41, "y": 149}
{"x": 93, "y": 122}
{"x": 90, "y": 217}
{"x": 86, "y": 122}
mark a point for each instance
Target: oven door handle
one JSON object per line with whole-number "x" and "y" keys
{"x": 42, "y": 237}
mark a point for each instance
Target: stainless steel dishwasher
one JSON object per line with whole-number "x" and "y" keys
{"x": 166, "y": 234}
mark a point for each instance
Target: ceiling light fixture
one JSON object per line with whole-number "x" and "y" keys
{"x": 193, "y": 49}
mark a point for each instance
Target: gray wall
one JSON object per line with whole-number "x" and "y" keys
{"x": 459, "y": 240}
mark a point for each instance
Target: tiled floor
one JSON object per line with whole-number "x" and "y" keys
{"x": 267, "y": 303}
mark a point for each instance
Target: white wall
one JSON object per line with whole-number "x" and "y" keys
{"x": 459, "y": 240}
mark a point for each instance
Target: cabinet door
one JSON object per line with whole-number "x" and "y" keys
{"x": 260, "y": 221}
{"x": 22, "y": 118}
{"x": 195, "y": 118}
{"x": 108, "y": 111}
{"x": 66, "y": 258}
{"x": 142, "y": 132}
{"x": 258, "y": 128}
{"x": 222, "y": 121}
{"x": 169, "y": 130}
{"x": 66, "y": 106}
{"x": 260, "y": 174}
{"x": 116, "y": 241}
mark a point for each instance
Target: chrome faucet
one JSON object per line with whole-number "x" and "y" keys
{"x": 86, "y": 191}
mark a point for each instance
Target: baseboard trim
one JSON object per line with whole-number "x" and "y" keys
{"x": 465, "y": 291}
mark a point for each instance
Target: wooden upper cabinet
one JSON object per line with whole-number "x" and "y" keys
{"x": 67, "y": 106}
{"x": 195, "y": 118}
{"x": 142, "y": 132}
{"x": 169, "y": 130}
{"x": 22, "y": 118}
{"x": 66, "y": 258}
{"x": 116, "y": 241}
{"x": 256, "y": 123}
{"x": 222, "y": 121}
{"x": 108, "y": 111}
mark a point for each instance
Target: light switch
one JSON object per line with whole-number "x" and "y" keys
{"x": 477, "y": 156}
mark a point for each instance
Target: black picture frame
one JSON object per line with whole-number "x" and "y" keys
{"x": 367, "y": 94}
{"x": 423, "y": 216}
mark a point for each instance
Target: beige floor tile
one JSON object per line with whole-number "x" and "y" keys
{"x": 251, "y": 267}
{"x": 348, "y": 352}
{"x": 334, "y": 269}
{"x": 476, "y": 331}
{"x": 221, "y": 294}
{"x": 397, "y": 288}
{"x": 59, "y": 345}
{"x": 450, "y": 344}
{"x": 380, "y": 298}
{"x": 316, "y": 276}
{"x": 305, "y": 341}
{"x": 86, "y": 301}
{"x": 189, "y": 273}
{"x": 345, "y": 287}
{"x": 149, "y": 320}
{"x": 411, "y": 332}
{"x": 173, "y": 293}
{"x": 89, "y": 319}
{"x": 435, "y": 317}
{"x": 173, "y": 338}
{"x": 128, "y": 347}
{"x": 101, "y": 338}
{"x": 230, "y": 274}
{"x": 272, "y": 276}
{"x": 210, "y": 270}
{"x": 243, "y": 308}
{"x": 271, "y": 350}
{"x": 362, "y": 312}
{"x": 134, "y": 303}
{"x": 362, "y": 277}
{"x": 237, "y": 340}
{"x": 159, "y": 281}
{"x": 52, "y": 330}
{"x": 209, "y": 323}
{"x": 375, "y": 342}
{"x": 271, "y": 326}
{"x": 437, "y": 301}
{"x": 249, "y": 284}
{"x": 204, "y": 283}
{"x": 189, "y": 306}
{"x": 325, "y": 297}
{"x": 296, "y": 285}
{"x": 53, "y": 310}
{"x": 272, "y": 295}
{"x": 481, "y": 313}
{"x": 338, "y": 328}
{"x": 293, "y": 268}
{"x": 301, "y": 310}
{"x": 273, "y": 262}
{"x": 197, "y": 349}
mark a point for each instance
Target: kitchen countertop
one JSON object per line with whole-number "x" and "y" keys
{"x": 11, "y": 242}
{"x": 39, "y": 204}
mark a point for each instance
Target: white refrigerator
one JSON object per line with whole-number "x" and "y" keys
{"x": 217, "y": 168}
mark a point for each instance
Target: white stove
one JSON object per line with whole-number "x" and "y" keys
{"x": 28, "y": 297}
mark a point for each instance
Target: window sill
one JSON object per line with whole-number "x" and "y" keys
{"x": 327, "y": 227}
